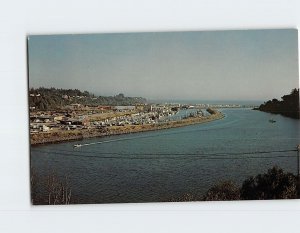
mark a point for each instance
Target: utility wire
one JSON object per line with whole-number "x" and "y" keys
{"x": 150, "y": 156}
{"x": 196, "y": 153}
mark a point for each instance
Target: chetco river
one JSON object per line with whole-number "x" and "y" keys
{"x": 161, "y": 165}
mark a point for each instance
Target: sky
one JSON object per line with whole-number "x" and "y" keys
{"x": 207, "y": 65}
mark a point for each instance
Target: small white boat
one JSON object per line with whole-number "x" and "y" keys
{"x": 77, "y": 145}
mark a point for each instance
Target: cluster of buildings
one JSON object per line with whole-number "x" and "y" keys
{"x": 77, "y": 116}
{"x": 47, "y": 122}
{"x": 138, "y": 118}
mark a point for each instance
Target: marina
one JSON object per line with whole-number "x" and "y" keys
{"x": 165, "y": 164}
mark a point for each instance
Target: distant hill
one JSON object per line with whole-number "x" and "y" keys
{"x": 53, "y": 98}
{"x": 288, "y": 106}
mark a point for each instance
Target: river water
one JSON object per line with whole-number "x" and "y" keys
{"x": 161, "y": 165}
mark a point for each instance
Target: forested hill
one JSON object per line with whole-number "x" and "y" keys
{"x": 52, "y": 98}
{"x": 288, "y": 106}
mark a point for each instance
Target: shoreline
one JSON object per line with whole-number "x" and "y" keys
{"x": 65, "y": 136}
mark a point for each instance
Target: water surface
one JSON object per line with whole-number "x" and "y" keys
{"x": 161, "y": 165}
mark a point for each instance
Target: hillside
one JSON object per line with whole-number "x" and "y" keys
{"x": 288, "y": 106}
{"x": 52, "y": 98}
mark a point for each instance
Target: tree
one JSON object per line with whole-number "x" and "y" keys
{"x": 288, "y": 106}
{"x": 275, "y": 184}
{"x": 295, "y": 91}
{"x": 52, "y": 98}
{"x": 120, "y": 96}
{"x": 224, "y": 191}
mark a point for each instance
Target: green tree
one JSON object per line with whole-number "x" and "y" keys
{"x": 275, "y": 184}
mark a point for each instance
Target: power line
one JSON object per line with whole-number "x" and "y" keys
{"x": 208, "y": 154}
{"x": 179, "y": 156}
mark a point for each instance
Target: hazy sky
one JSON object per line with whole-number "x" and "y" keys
{"x": 216, "y": 65}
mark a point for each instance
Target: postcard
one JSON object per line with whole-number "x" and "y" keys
{"x": 163, "y": 116}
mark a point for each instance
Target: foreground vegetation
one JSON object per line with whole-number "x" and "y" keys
{"x": 50, "y": 189}
{"x": 288, "y": 106}
{"x": 275, "y": 184}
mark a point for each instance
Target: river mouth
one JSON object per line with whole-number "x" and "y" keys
{"x": 160, "y": 165}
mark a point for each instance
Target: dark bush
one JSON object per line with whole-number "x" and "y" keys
{"x": 275, "y": 184}
{"x": 224, "y": 191}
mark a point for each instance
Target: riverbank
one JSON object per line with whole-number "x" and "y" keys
{"x": 62, "y": 136}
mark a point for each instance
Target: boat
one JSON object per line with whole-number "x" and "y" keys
{"x": 272, "y": 121}
{"x": 77, "y": 145}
